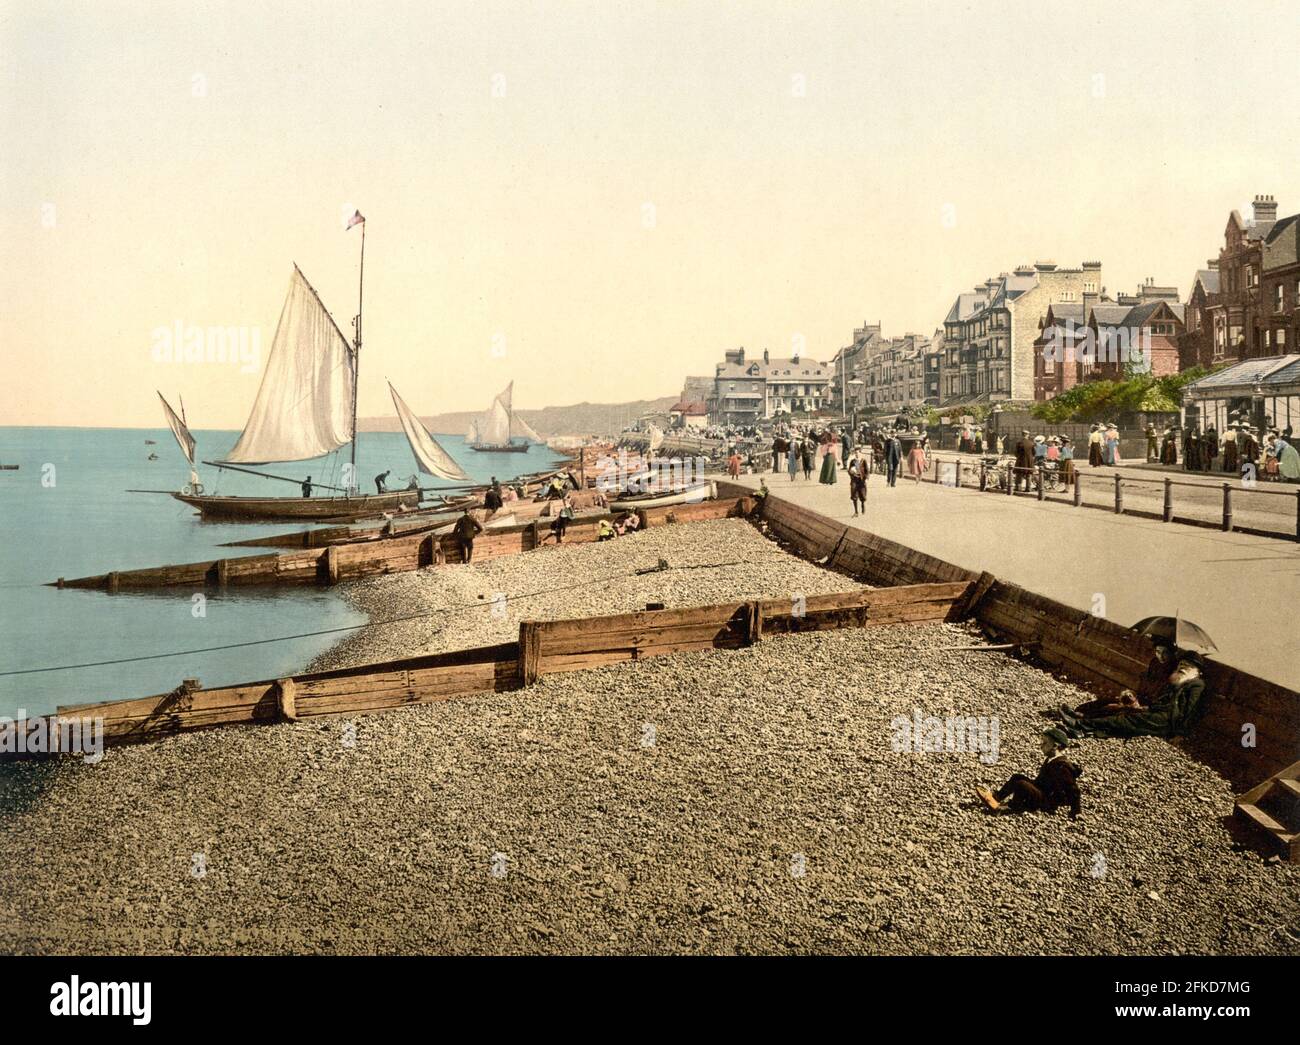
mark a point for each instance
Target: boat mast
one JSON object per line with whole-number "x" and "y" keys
{"x": 356, "y": 349}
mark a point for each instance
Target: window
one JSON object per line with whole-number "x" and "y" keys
{"x": 1279, "y": 305}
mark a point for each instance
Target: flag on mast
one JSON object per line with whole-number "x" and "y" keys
{"x": 356, "y": 219}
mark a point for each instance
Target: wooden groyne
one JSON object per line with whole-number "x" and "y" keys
{"x": 1250, "y": 732}
{"x": 1251, "y": 727}
{"x": 346, "y": 558}
{"x": 543, "y": 647}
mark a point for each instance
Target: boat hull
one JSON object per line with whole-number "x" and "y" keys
{"x": 706, "y": 491}
{"x": 290, "y": 509}
{"x": 512, "y": 448}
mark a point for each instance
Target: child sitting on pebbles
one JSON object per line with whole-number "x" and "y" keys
{"x": 1056, "y": 784}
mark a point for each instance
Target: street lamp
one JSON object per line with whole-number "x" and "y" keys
{"x": 855, "y": 384}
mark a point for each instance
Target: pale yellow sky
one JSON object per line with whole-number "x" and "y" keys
{"x": 613, "y": 192}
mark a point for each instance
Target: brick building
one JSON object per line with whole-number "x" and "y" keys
{"x": 1279, "y": 314}
{"x": 989, "y": 337}
{"x": 1099, "y": 339}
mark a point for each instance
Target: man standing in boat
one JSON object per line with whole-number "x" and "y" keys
{"x": 306, "y": 487}
{"x": 381, "y": 481}
{"x": 466, "y": 529}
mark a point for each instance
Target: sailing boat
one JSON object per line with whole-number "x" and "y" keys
{"x": 429, "y": 455}
{"x": 495, "y": 431}
{"x": 305, "y": 408}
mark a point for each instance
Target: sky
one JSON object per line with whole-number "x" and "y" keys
{"x": 592, "y": 199}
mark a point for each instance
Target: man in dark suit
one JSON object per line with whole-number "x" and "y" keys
{"x": 1056, "y": 784}
{"x": 893, "y": 456}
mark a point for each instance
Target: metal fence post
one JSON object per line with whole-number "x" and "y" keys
{"x": 1078, "y": 489}
{"x": 1227, "y": 508}
{"x": 1169, "y": 500}
{"x": 1039, "y": 475}
{"x": 1119, "y": 497}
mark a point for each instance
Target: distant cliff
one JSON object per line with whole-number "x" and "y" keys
{"x": 579, "y": 419}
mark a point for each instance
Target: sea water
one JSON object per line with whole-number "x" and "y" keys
{"x": 66, "y": 512}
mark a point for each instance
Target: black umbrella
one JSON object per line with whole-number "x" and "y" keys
{"x": 1177, "y": 632}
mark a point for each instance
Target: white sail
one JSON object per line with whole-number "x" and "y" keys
{"x": 493, "y": 428}
{"x": 304, "y": 406}
{"x": 472, "y": 435}
{"x": 507, "y": 397}
{"x": 179, "y": 430}
{"x": 429, "y": 454}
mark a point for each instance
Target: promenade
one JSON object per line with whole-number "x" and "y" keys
{"x": 1242, "y": 589}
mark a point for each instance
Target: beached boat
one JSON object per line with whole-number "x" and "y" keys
{"x": 693, "y": 494}
{"x": 306, "y": 408}
{"x": 289, "y": 509}
{"x": 501, "y": 430}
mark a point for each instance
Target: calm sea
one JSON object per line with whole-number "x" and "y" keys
{"x": 66, "y": 513}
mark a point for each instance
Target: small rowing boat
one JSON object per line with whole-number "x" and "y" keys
{"x": 693, "y": 494}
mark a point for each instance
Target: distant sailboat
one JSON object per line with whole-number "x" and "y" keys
{"x": 305, "y": 408}
{"x": 497, "y": 430}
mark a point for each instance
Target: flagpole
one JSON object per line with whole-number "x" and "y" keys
{"x": 356, "y": 355}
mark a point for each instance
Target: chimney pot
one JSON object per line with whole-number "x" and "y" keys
{"x": 1265, "y": 208}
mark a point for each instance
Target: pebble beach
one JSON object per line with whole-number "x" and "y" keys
{"x": 750, "y": 801}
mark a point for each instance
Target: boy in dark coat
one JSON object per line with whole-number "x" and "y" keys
{"x": 1056, "y": 784}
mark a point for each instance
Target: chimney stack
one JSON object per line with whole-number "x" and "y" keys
{"x": 1265, "y": 208}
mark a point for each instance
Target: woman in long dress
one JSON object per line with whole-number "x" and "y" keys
{"x": 828, "y": 466}
{"x": 1231, "y": 450}
{"x": 916, "y": 460}
{"x": 1288, "y": 461}
{"x": 792, "y": 458}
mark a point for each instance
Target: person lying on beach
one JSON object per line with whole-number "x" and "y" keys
{"x": 1056, "y": 784}
{"x": 1172, "y": 712}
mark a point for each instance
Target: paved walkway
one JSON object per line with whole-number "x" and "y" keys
{"x": 1244, "y": 590}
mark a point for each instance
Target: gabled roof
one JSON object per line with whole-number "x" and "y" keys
{"x": 1208, "y": 279}
{"x": 1110, "y": 315}
{"x": 965, "y": 306}
{"x": 1061, "y": 312}
{"x": 1280, "y": 226}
